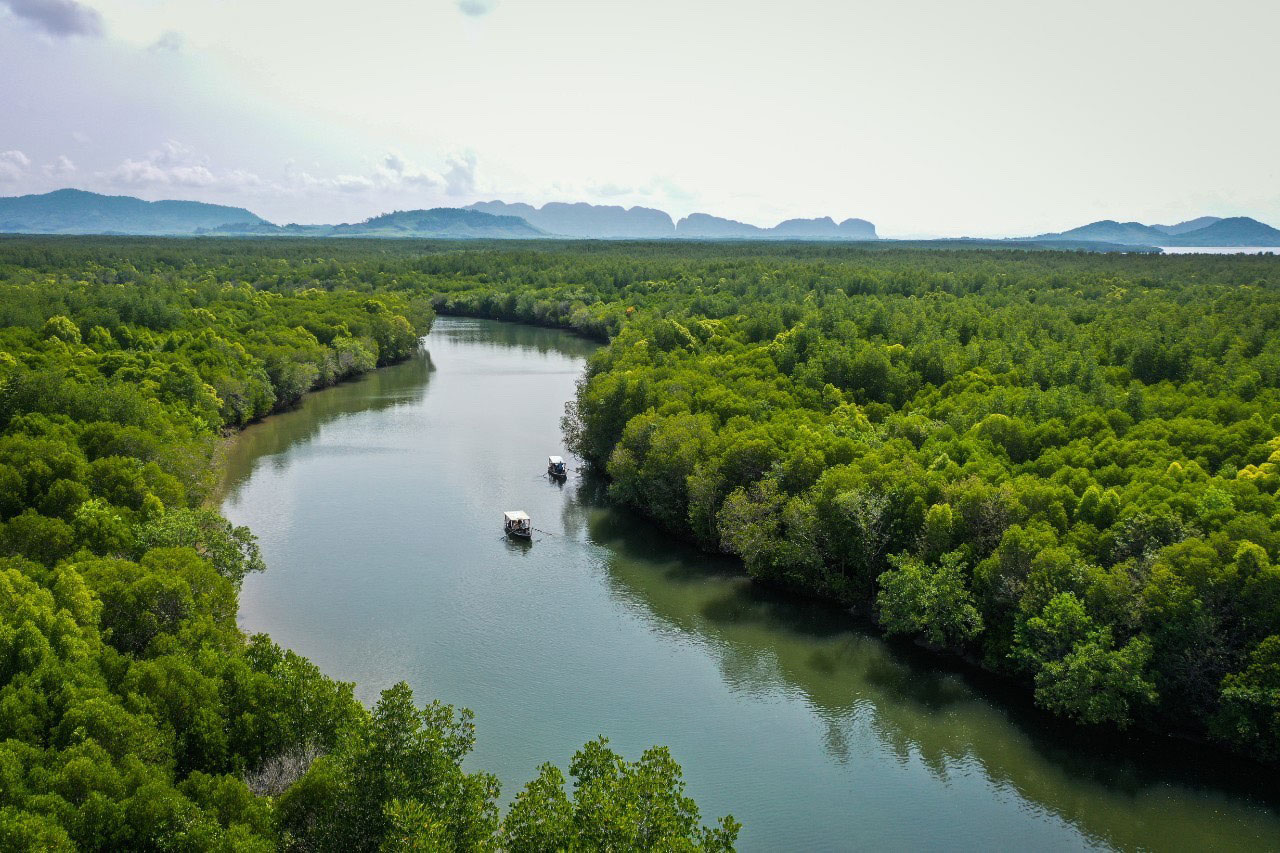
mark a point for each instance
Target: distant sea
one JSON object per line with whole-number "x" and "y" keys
{"x": 1220, "y": 250}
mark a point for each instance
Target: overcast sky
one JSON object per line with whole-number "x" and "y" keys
{"x": 950, "y": 118}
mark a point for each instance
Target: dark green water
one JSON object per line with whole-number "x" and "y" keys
{"x": 379, "y": 506}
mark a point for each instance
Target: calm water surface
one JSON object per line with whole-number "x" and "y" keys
{"x": 1220, "y": 250}
{"x": 379, "y": 505}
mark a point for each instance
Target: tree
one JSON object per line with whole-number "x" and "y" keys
{"x": 21, "y": 830}
{"x": 771, "y": 533}
{"x": 232, "y": 550}
{"x": 616, "y": 805}
{"x": 1053, "y": 633}
{"x": 401, "y": 765}
{"x": 935, "y": 539}
{"x": 61, "y": 328}
{"x": 101, "y": 528}
{"x": 1249, "y": 716}
{"x": 31, "y": 534}
{"x": 931, "y": 600}
{"x": 1097, "y": 683}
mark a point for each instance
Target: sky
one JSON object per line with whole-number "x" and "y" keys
{"x": 927, "y": 118}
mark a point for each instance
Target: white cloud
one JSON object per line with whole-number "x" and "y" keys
{"x": 172, "y": 153}
{"x": 149, "y": 173}
{"x": 395, "y": 170}
{"x": 391, "y": 181}
{"x": 241, "y": 178}
{"x": 13, "y": 165}
{"x": 460, "y": 177}
{"x": 58, "y": 17}
{"x": 391, "y": 173}
{"x": 176, "y": 165}
{"x": 350, "y": 183}
{"x": 63, "y": 167}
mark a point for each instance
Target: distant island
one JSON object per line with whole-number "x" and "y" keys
{"x": 1206, "y": 231}
{"x": 73, "y": 211}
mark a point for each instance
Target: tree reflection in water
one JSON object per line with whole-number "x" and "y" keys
{"x": 879, "y": 697}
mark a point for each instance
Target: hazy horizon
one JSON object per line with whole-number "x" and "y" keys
{"x": 675, "y": 219}
{"x": 928, "y": 119}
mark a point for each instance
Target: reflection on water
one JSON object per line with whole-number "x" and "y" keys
{"x": 766, "y": 642}
{"x": 399, "y": 385}
{"x": 378, "y": 505}
{"x": 530, "y": 339}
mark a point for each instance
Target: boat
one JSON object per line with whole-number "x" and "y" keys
{"x": 555, "y": 467}
{"x": 518, "y": 524}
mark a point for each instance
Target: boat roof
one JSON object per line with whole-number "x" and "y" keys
{"x": 516, "y": 515}
{"x": 554, "y": 460}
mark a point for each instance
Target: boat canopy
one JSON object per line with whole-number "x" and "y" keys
{"x": 516, "y": 515}
{"x": 554, "y": 460}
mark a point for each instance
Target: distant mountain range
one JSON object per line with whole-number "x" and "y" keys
{"x": 610, "y": 222}
{"x": 80, "y": 212}
{"x": 594, "y": 221}
{"x": 72, "y": 211}
{"x": 703, "y": 226}
{"x": 1206, "y": 231}
{"x": 451, "y": 223}
{"x": 1189, "y": 225}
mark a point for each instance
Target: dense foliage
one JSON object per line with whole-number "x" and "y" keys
{"x": 1062, "y": 466}
{"x": 133, "y": 712}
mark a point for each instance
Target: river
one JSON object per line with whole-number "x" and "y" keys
{"x": 378, "y": 505}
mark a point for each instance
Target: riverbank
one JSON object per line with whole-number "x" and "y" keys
{"x": 136, "y": 714}
{"x": 378, "y": 505}
{"x": 1150, "y": 729}
{"x": 230, "y": 437}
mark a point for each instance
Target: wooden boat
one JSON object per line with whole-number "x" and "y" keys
{"x": 556, "y": 468}
{"x": 517, "y": 524}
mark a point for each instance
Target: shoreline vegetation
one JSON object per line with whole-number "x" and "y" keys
{"x": 1060, "y": 465}
{"x": 133, "y": 711}
{"x": 1057, "y": 467}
